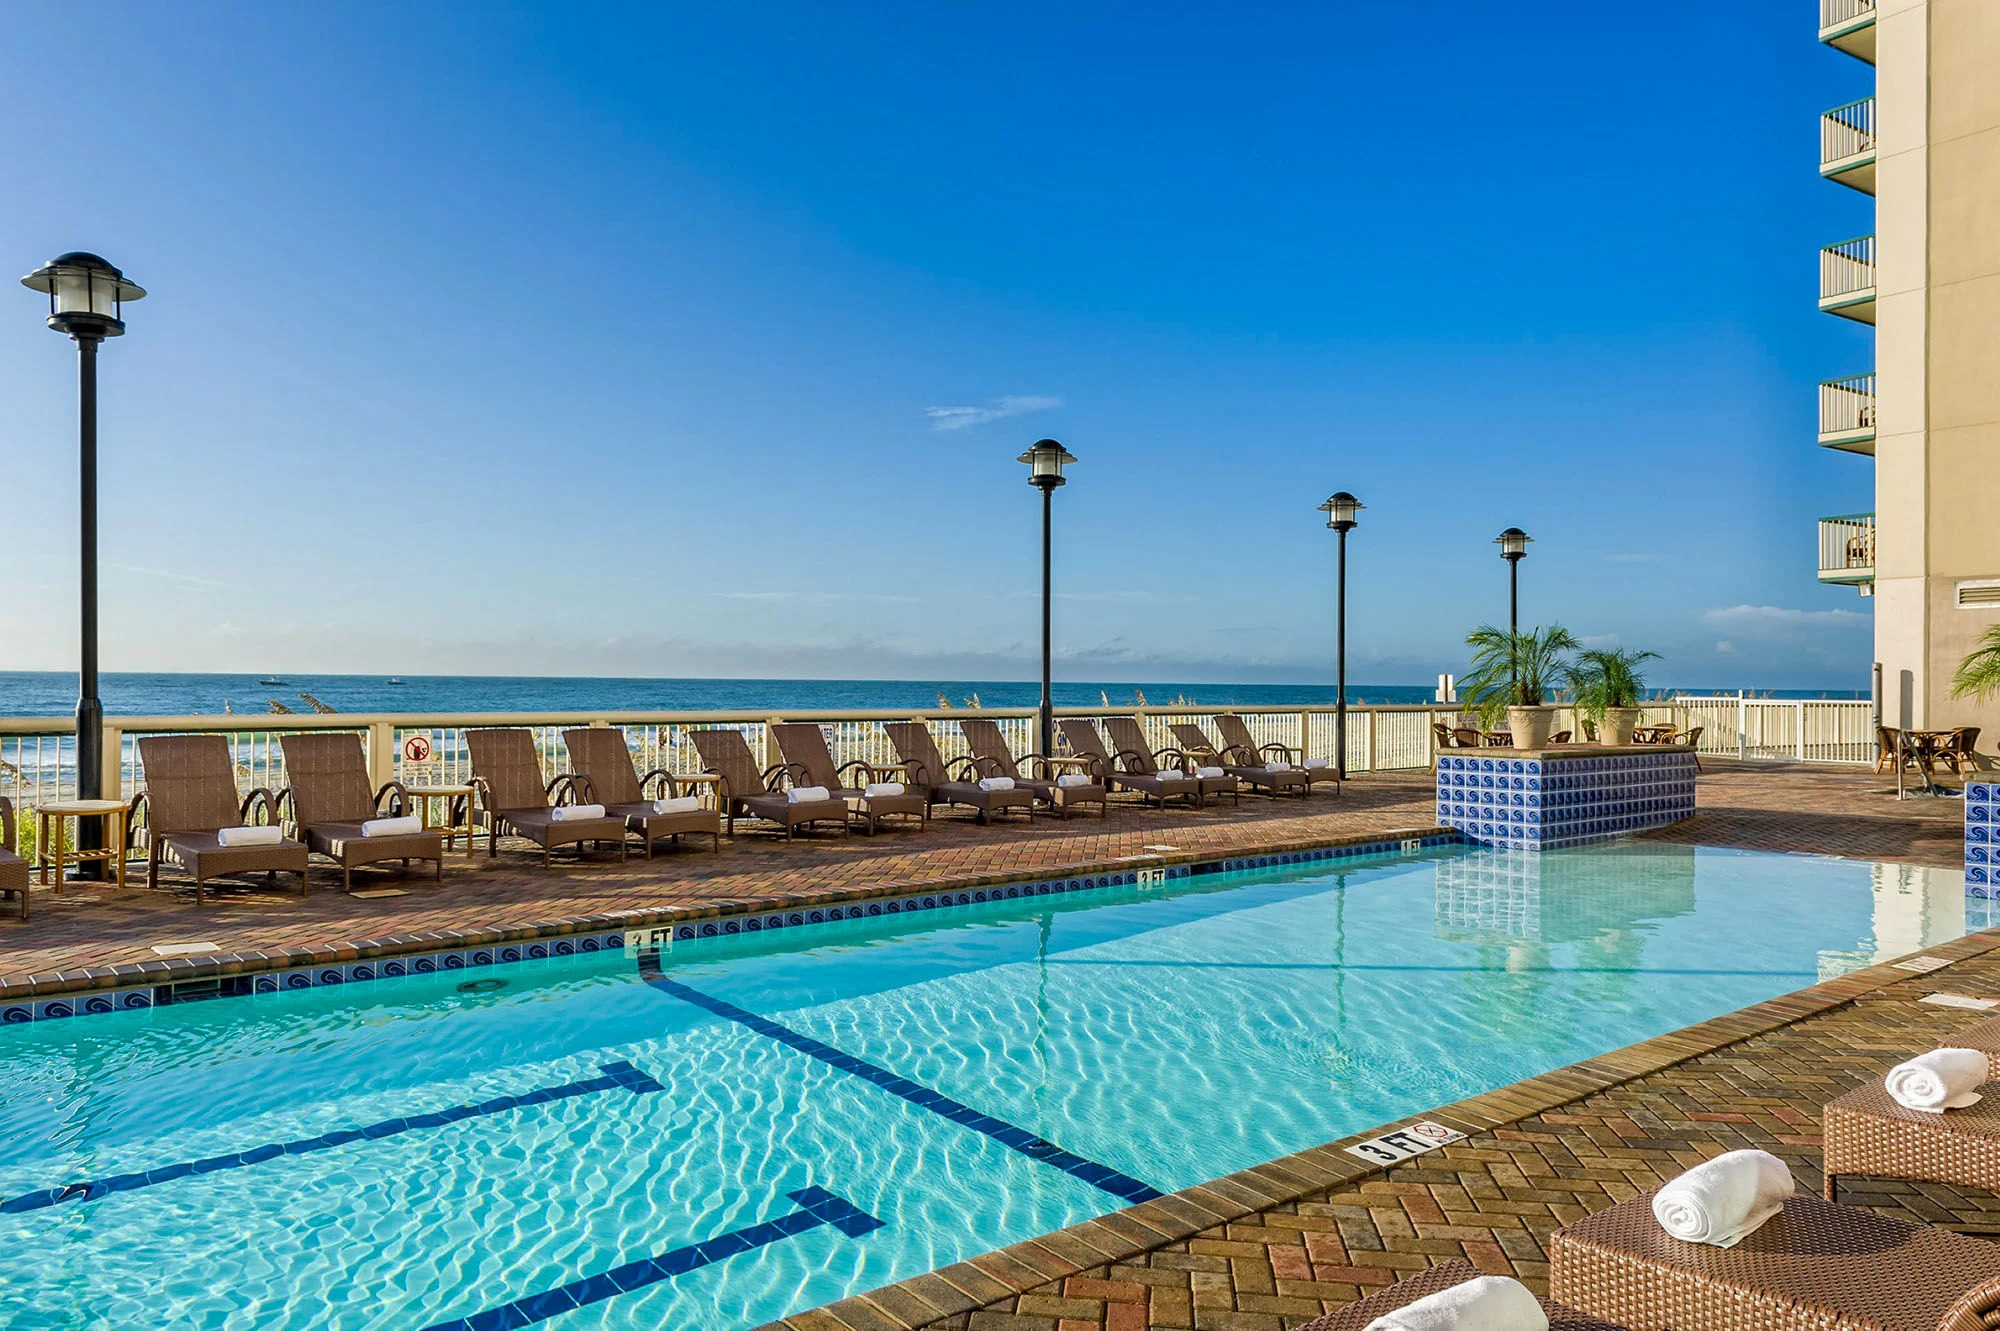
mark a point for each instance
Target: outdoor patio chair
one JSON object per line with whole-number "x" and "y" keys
{"x": 1245, "y": 766}
{"x": 803, "y": 744}
{"x": 1435, "y": 1280}
{"x": 1235, "y": 732}
{"x": 1813, "y": 1267}
{"x": 1958, "y": 750}
{"x": 601, "y": 767}
{"x": 1866, "y": 1134}
{"x": 510, "y": 794}
{"x": 1129, "y": 746}
{"x": 1886, "y": 750}
{"x": 328, "y": 800}
{"x": 190, "y": 796}
{"x": 1123, "y": 771}
{"x": 956, "y": 782}
{"x": 991, "y": 756}
{"x": 745, "y": 790}
{"x": 1469, "y": 738}
{"x": 13, "y": 869}
{"x": 1693, "y": 740}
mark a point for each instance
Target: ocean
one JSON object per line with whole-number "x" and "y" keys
{"x": 54, "y": 694}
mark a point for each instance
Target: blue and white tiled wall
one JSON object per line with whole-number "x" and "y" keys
{"x": 97, "y": 1002}
{"x": 1982, "y": 838}
{"x": 1541, "y": 803}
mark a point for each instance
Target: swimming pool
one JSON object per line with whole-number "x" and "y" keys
{"x": 721, "y": 1133}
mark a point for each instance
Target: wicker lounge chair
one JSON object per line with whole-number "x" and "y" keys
{"x": 804, "y": 745}
{"x": 1247, "y": 766}
{"x": 1147, "y": 782}
{"x": 1435, "y": 1280}
{"x": 991, "y": 756}
{"x": 1814, "y": 1267}
{"x": 13, "y": 869}
{"x": 1236, "y": 735}
{"x": 956, "y": 782}
{"x": 328, "y": 801}
{"x": 744, "y": 790}
{"x": 603, "y": 771}
{"x": 190, "y": 796}
{"x": 1868, "y": 1135}
{"x": 1128, "y": 740}
{"x": 507, "y": 782}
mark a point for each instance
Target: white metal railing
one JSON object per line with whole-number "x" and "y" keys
{"x": 1846, "y": 546}
{"x": 1833, "y": 13}
{"x": 1847, "y": 406}
{"x": 1846, "y": 131}
{"x": 1810, "y": 730}
{"x": 1847, "y": 269}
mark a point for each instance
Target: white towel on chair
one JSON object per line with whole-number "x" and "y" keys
{"x": 1484, "y": 1303}
{"x": 392, "y": 827}
{"x": 575, "y": 813}
{"x": 996, "y": 783}
{"x": 1318, "y": 764}
{"x": 1940, "y": 1080}
{"x": 678, "y": 804}
{"x": 1277, "y": 766}
{"x": 233, "y": 837}
{"x": 1072, "y": 779}
{"x": 1210, "y": 773}
{"x": 807, "y": 794}
{"x": 883, "y": 789}
{"x": 1722, "y": 1201}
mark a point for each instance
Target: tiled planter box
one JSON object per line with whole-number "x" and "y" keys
{"x": 1982, "y": 837}
{"x": 1541, "y": 799}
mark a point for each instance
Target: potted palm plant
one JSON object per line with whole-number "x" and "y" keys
{"x": 1513, "y": 674}
{"x": 1605, "y": 687}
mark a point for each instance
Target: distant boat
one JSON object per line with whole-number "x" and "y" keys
{"x": 392, "y": 680}
{"x": 273, "y": 681}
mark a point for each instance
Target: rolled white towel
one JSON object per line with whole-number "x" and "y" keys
{"x": 1210, "y": 773}
{"x": 883, "y": 789}
{"x": 807, "y": 794}
{"x": 996, "y": 783}
{"x": 392, "y": 827}
{"x": 1072, "y": 779}
{"x": 1723, "y": 1200}
{"x": 575, "y": 813}
{"x": 250, "y": 836}
{"x": 1318, "y": 764}
{"x": 678, "y": 804}
{"x": 1484, "y": 1303}
{"x": 1277, "y": 765}
{"x": 1940, "y": 1080}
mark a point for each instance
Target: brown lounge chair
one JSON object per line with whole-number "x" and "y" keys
{"x": 13, "y": 869}
{"x": 328, "y": 801}
{"x": 1436, "y": 1280}
{"x": 1866, "y": 1134}
{"x": 1814, "y": 1267}
{"x": 602, "y": 770}
{"x": 762, "y": 795}
{"x": 1246, "y": 765}
{"x": 190, "y": 796}
{"x": 803, "y": 744}
{"x": 1084, "y": 741}
{"x": 992, "y": 756}
{"x": 1236, "y": 734}
{"x": 512, "y": 797}
{"x": 1128, "y": 740}
{"x": 956, "y": 782}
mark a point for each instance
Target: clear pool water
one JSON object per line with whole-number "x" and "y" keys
{"x": 744, "y": 1128}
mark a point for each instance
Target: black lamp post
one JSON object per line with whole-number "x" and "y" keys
{"x": 1513, "y": 545}
{"x": 1340, "y": 510}
{"x": 86, "y": 302}
{"x": 1046, "y": 461}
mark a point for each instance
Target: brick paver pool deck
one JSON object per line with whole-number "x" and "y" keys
{"x": 1272, "y": 1247}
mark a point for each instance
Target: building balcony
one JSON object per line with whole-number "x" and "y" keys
{"x": 1847, "y": 145}
{"x": 1849, "y": 25}
{"x": 1847, "y": 279}
{"x": 1847, "y": 551}
{"x": 1847, "y": 414}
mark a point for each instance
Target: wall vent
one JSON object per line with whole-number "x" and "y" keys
{"x": 1981, "y": 595}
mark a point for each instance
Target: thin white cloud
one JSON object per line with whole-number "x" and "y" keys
{"x": 812, "y": 596}
{"x": 996, "y": 409}
{"x": 1725, "y": 648}
{"x": 1772, "y": 618}
{"x": 168, "y": 574}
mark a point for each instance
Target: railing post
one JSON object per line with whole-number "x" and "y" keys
{"x": 1742, "y": 729}
{"x": 111, "y": 781}
{"x": 1799, "y": 722}
{"x": 1305, "y": 732}
{"x": 1368, "y": 738}
{"x": 381, "y": 753}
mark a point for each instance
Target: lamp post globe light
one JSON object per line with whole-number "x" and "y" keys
{"x": 1340, "y": 509}
{"x": 1513, "y": 545}
{"x": 1046, "y": 461}
{"x": 87, "y": 298}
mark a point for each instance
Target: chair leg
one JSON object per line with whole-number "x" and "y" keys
{"x": 346, "y": 878}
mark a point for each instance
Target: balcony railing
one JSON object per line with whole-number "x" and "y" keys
{"x": 1847, "y": 412}
{"x": 1847, "y": 548}
{"x": 1849, "y": 25}
{"x": 1834, "y": 13}
{"x": 1847, "y": 144}
{"x": 1847, "y": 278}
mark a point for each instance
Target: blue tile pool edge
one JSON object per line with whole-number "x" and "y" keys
{"x": 99, "y": 1002}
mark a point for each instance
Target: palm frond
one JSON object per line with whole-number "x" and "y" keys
{"x": 1978, "y": 675}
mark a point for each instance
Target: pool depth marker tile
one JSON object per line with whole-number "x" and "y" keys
{"x": 817, "y": 1207}
{"x": 923, "y": 1097}
{"x": 615, "y": 1076}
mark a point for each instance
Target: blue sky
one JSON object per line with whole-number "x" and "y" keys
{"x": 545, "y": 339}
